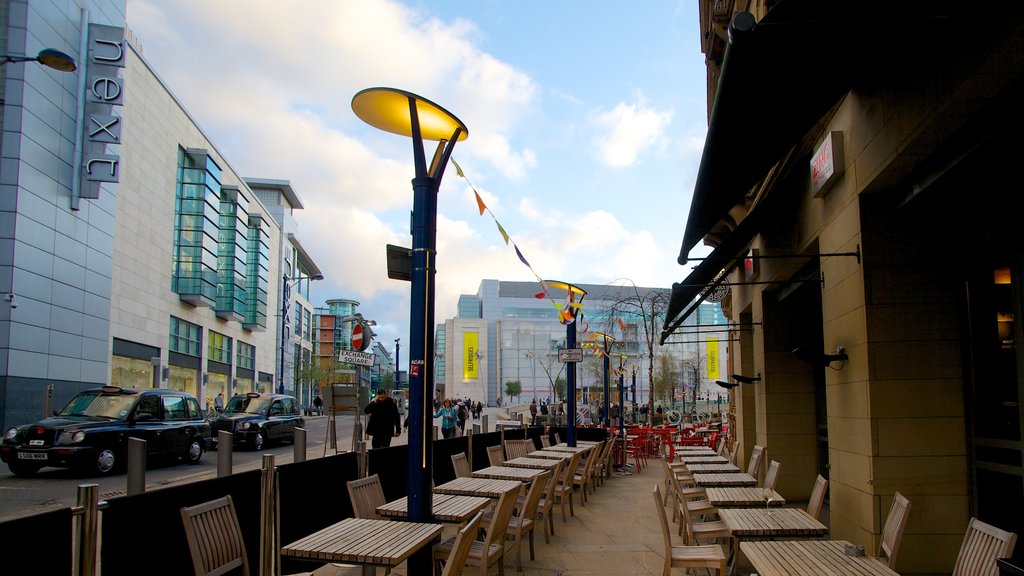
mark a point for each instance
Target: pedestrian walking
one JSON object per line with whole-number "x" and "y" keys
{"x": 318, "y": 404}
{"x": 533, "y": 412}
{"x": 384, "y": 423}
{"x": 449, "y": 417}
{"x": 463, "y": 414}
{"x": 218, "y": 402}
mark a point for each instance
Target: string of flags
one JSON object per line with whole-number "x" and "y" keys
{"x": 568, "y": 311}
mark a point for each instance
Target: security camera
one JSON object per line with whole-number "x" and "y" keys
{"x": 11, "y": 302}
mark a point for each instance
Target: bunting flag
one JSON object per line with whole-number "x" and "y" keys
{"x": 568, "y": 312}
{"x": 622, "y": 325}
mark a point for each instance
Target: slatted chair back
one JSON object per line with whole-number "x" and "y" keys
{"x": 215, "y": 537}
{"x": 498, "y": 527}
{"x": 754, "y": 467}
{"x": 460, "y": 550}
{"x": 711, "y": 557}
{"x": 734, "y": 455}
{"x": 525, "y": 522}
{"x": 983, "y": 543}
{"x": 545, "y": 441}
{"x": 366, "y": 495}
{"x": 495, "y": 455}
{"x": 461, "y": 465}
{"x": 892, "y": 533}
{"x": 546, "y": 506}
{"x": 518, "y": 448}
{"x": 772, "y": 476}
{"x": 817, "y": 497}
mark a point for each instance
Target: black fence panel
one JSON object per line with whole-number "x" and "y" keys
{"x": 588, "y": 434}
{"x": 313, "y": 494}
{"x": 480, "y": 444}
{"x": 391, "y": 465}
{"x": 143, "y": 533}
{"x": 33, "y": 541}
{"x": 443, "y": 451}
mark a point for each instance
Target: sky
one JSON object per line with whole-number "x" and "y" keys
{"x": 586, "y": 123}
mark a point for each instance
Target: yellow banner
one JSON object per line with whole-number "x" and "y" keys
{"x": 712, "y": 353}
{"x": 470, "y": 345}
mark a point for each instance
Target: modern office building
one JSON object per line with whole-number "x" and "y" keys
{"x": 134, "y": 254}
{"x": 856, "y": 186}
{"x": 505, "y": 333}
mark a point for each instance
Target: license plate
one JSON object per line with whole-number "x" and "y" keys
{"x": 31, "y": 456}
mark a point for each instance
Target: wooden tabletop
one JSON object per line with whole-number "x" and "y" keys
{"x": 741, "y": 496}
{"x": 486, "y": 487}
{"x": 446, "y": 507}
{"x": 810, "y": 558}
{"x": 537, "y": 463}
{"x": 551, "y": 454}
{"x": 696, "y": 451}
{"x": 580, "y": 447}
{"x": 365, "y": 541}
{"x": 508, "y": 473}
{"x": 705, "y": 468}
{"x": 702, "y": 459}
{"x": 770, "y": 523}
{"x": 725, "y": 479}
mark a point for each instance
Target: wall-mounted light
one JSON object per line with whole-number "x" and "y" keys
{"x": 820, "y": 359}
{"x": 48, "y": 57}
{"x": 10, "y": 301}
{"x": 739, "y": 379}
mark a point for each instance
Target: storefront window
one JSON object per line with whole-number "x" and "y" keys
{"x": 131, "y": 372}
{"x": 184, "y": 379}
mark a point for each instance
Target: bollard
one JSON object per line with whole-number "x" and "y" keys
{"x": 136, "y": 466}
{"x": 299, "y": 444}
{"x": 361, "y": 459}
{"x": 435, "y": 432}
{"x": 475, "y": 428}
{"x": 87, "y": 529}
{"x": 332, "y": 438}
{"x": 483, "y": 422}
{"x": 268, "y": 518}
{"x": 225, "y": 449}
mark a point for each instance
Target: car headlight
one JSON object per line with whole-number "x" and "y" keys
{"x": 11, "y": 434}
{"x": 78, "y": 437}
{"x": 252, "y": 426}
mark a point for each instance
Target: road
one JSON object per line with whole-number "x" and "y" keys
{"x": 58, "y": 487}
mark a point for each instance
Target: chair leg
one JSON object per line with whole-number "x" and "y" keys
{"x": 532, "y": 557}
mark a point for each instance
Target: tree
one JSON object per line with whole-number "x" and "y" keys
{"x": 560, "y": 388}
{"x": 513, "y": 388}
{"x": 547, "y": 363}
{"x": 387, "y": 381}
{"x": 322, "y": 372}
{"x": 664, "y": 377}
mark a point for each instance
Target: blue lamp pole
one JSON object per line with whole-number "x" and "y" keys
{"x": 407, "y": 114}
{"x": 574, "y": 295}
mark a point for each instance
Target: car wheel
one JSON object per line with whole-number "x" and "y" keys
{"x": 195, "y": 451}
{"x": 259, "y": 440}
{"x": 19, "y": 468}
{"x": 105, "y": 461}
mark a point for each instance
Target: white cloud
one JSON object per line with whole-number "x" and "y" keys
{"x": 629, "y": 130}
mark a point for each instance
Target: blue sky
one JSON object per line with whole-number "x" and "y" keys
{"x": 586, "y": 123}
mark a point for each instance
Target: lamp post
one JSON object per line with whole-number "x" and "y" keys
{"x": 407, "y": 114}
{"x": 632, "y": 388}
{"x": 398, "y": 371}
{"x": 48, "y": 57}
{"x": 286, "y": 304}
{"x": 606, "y": 349}
{"x": 570, "y": 314}
{"x": 622, "y": 394}
{"x": 533, "y": 360}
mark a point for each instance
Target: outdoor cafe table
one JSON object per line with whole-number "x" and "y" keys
{"x": 486, "y": 487}
{"x": 537, "y": 463}
{"x": 446, "y": 507}
{"x": 711, "y": 468}
{"x": 725, "y": 479}
{"x": 810, "y": 558}
{"x": 365, "y": 541}
{"x": 563, "y": 447}
{"x": 552, "y": 454}
{"x": 696, "y": 451}
{"x": 508, "y": 473}
{"x": 722, "y": 496}
{"x": 687, "y": 459}
{"x": 769, "y": 523}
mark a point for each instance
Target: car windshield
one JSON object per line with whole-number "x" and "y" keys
{"x": 97, "y": 404}
{"x": 247, "y": 405}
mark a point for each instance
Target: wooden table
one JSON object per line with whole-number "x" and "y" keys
{"x": 695, "y": 451}
{"x": 810, "y": 558}
{"x": 446, "y": 507}
{"x": 365, "y": 541}
{"x": 546, "y": 464}
{"x": 725, "y": 479}
{"x": 551, "y": 454}
{"x": 768, "y": 524}
{"x": 563, "y": 448}
{"x": 702, "y": 459}
{"x": 709, "y": 468}
{"x": 508, "y": 473}
{"x": 486, "y": 487}
{"x": 722, "y": 496}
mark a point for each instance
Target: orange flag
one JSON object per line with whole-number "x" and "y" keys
{"x": 480, "y": 203}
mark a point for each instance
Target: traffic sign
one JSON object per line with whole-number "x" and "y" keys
{"x": 353, "y": 357}
{"x": 358, "y": 342}
{"x": 570, "y": 355}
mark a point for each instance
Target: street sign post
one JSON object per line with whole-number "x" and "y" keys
{"x": 570, "y": 355}
{"x": 358, "y": 358}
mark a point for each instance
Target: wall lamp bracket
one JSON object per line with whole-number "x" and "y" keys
{"x": 815, "y": 359}
{"x": 746, "y": 379}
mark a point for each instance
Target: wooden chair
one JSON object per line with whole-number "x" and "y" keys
{"x": 545, "y": 441}
{"x": 754, "y": 466}
{"x": 366, "y": 495}
{"x": 518, "y": 448}
{"x": 496, "y": 455}
{"x": 584, "y": 478}
{"x": 461, "y": 465}
{"x": 892, "y": 533}
{"x": 817, "y": 497}
{"x": 772, "y": 475}
{"x": 491, "y": 550}
{"x": 523, "y": 523}
{"x": 546, "y": 506}
{"x": 564, "y": 487}
{"x": 603, "y": 466}
{"x": 710, "y": 556}
{"x": 983, "y": 543}
{"x": 456, "y": 560}
{"x": 695, "y": 532}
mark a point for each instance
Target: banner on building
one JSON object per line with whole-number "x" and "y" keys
{"x": 470, "y": 347}
{"x": 712, "y": 355}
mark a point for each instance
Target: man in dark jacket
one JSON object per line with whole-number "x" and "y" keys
{"x": 384, "y": 422}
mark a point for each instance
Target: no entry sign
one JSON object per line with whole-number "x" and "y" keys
{"x": 358, "y": 341}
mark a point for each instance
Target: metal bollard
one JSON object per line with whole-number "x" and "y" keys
{"x": 469, "y": 450}
{"x": 225, "y": 449}
{"x": 483, "y": 422}
{"x": 361, "y": 459}
{"x": 435, "y": 432}
{"x": 136, "y": 466}
{"x": 87, "y": 529}
{"x": 332, "y": 437}
{"x": 299, "y": 444}
{"x": 268, "y": 516}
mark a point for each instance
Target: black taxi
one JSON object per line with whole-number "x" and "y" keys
{"x": 257, "y": 419}
{"x": 91, "y": 433}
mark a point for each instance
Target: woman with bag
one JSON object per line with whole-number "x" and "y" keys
{"x": 448, "y": 416}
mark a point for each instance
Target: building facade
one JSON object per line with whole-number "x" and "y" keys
{"x": 859, "y": 219}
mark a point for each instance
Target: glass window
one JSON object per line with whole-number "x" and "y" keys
{"x": 185, "y": 337}
{"x": 149, "y": 405}
{"x": 175, "y": 408}
{"x": 219, "y": 349}
{"x": 246, "y": 356}
{"x": 131, "y": 372}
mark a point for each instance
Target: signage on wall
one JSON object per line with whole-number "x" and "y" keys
{"x": 827, "y": 164}
{"x": 470, "y": 346}
{"x": 104, "y": 92}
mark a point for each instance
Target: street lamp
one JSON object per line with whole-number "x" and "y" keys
{"x": 570, "y": 314}
{"x": 606, "y": 342}
{"x": 533, "y": 360}
{"x": 286, "y": 302}
{"x": 48, "y": 57}
{"x": 398, "y": 383}
{"x": 407, "y": 114}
